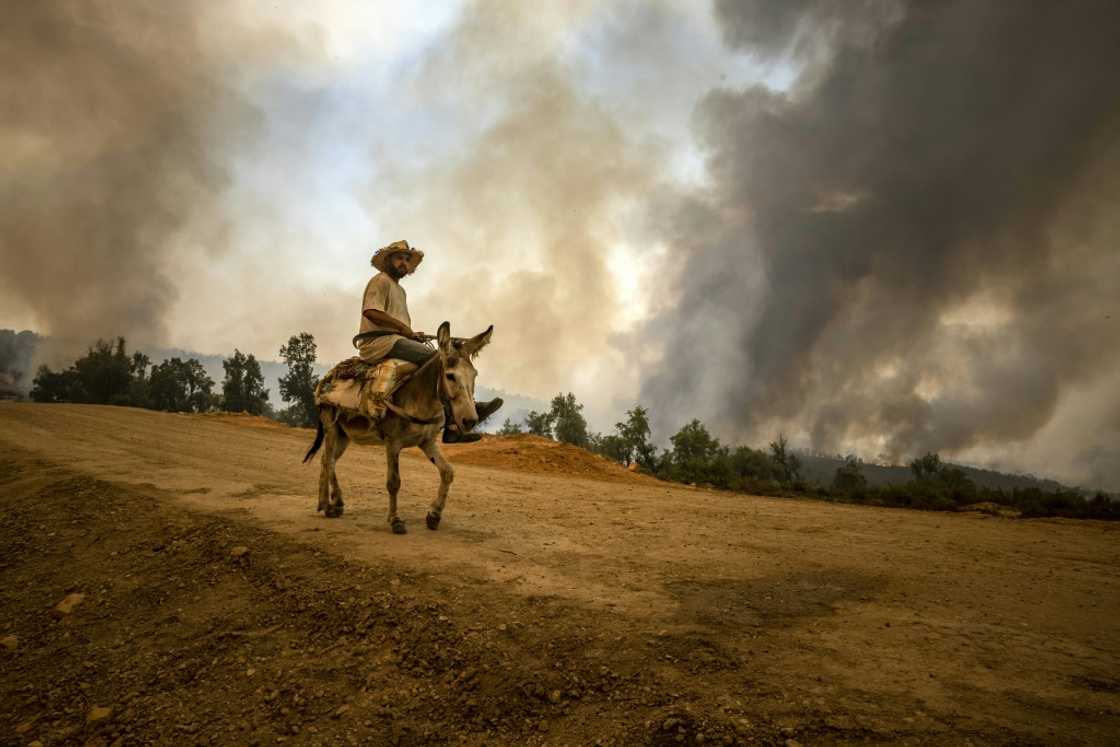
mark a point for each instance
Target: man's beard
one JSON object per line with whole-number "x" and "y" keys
{"x": 394, "y": 273}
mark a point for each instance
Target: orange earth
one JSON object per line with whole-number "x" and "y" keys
{"x": 563, "y": 600}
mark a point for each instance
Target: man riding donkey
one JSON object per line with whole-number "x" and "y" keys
{"x": 398, "y": 392}
{"x": 386, "y": 333}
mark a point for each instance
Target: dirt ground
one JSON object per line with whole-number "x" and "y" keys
{"x": 562, "y": 601}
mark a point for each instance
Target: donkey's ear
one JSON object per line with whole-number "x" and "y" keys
{"x": 474, "y": 346}
{"x": 443, "y": 337}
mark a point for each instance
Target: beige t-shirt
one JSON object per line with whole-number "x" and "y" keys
{"x": 384, "y": 294}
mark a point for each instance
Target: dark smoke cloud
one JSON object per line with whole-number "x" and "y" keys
{"x": 915, "y": 246}
{"x": 118, "y": 122}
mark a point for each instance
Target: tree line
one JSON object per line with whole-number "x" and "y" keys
{"x": 108, "y": 374}
{"x": 697, "y": 457}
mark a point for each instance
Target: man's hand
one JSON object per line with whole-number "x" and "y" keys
{"x": 420, "y": 336}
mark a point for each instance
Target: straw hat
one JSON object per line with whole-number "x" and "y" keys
{"x": 381, "y": 256}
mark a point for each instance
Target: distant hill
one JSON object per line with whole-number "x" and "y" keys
{"x": 821, "y": 469}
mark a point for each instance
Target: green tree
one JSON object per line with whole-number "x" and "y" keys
{"x": 926, "y": 467}
{"x": 298, "y": 385}
{"x": 849, "y": 477}
{"x": 105, "y": 375}
{"x": 611, "y": 446}
{"x": 60, "y": 386}
{"x": 697, "y": 457}
{"x": 539, "y": 423}
{"x": 510, "y": 428}
{"x": 105, "y": 372}
{"x": 139, "y": 389}
{"x": 634, "y": 435}
{"x": 569, "y": 425}
{"x": 243, "y": 388}
{"x": 751, "y": 465}
{"x": 788, "y": 463}
{"x": 180, "y": 386}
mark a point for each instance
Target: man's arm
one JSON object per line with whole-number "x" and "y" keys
{"x": 383, "y": 320}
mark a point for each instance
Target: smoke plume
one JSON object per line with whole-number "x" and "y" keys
{"x": 16, "y": 351}
{"x": 119, "y": 118}
{"x": 915, "y": 246}
{"x": 520, "y": 220}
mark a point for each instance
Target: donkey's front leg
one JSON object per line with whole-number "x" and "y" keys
{"x": 446, "y": 475}
{"x": 393, "y": 484}
{"x": 341, "y": 441}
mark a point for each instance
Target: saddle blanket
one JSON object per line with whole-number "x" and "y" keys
{"x": 362, "y": 387}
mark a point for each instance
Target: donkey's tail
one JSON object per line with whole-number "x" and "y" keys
{"x": 315, "y": 446}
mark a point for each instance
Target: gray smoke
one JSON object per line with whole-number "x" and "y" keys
{"x": 118, "y": 121}
{"x": 16, "y": 352}
{"x": 547, "y": 172}
{"x": 915, "y": 246}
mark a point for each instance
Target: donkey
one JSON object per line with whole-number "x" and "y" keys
{"x": 414, "y": 418}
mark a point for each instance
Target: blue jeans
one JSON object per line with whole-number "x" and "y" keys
{"x": 411, "y": 351}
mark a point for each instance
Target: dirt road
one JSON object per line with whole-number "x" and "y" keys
{"x": 561, "y": 602}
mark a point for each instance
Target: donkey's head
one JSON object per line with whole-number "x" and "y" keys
{"x": 459, "y": 372}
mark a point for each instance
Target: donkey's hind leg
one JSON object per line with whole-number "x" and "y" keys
{"x": 328, "y": 502}
{"x": 340, "y": 443}
{"x": 393, "y": 484}
{"x": 446, "y": 475}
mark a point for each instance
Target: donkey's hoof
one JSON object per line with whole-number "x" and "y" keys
{"x": 398, "y": 526}
{"x": 333, "y": 512}
{"x": 432, "y": 520}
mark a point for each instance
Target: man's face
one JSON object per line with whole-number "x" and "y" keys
{"x": 397, "y": 266}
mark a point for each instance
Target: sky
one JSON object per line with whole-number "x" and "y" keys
{"x": 879, "y": 227}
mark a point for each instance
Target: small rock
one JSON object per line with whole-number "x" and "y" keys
{"x": 239, "y": 553}
{"x": 36, "y": 743}
{"x": 68, "y": 604}
{"x": 24, "y": 727}
{"x": 338, "y": 712}
{"x": 792, "y": 743}
{"x": 97, "y": 714}
{"x": 9, "y": 642}
{"x": 554, "y": 696}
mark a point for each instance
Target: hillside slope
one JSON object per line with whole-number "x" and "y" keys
{"x": 553, "y": 605}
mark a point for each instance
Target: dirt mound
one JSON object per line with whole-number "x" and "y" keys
{"x": 539, "y": 455}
